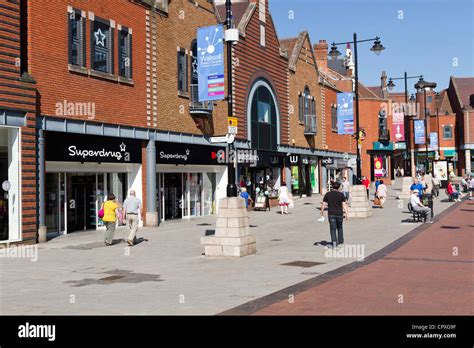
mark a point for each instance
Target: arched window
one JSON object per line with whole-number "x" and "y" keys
{"x": 263, "y": 117}
{"x": 307, "y": 105}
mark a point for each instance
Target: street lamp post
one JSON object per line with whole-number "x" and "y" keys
{"x": 377, "y": 48}
{"x": 231, "y": 187}
{"x": 390, "y": 86}
{"x": 422, "y": 84}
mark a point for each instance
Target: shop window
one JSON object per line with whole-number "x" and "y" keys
{"x": 182, "y": 71}
{"x": 447, "y": 132}
{"x": 102, "y": 46}
{"x": 125, "y": 53}
{"x": 77, "y": 34}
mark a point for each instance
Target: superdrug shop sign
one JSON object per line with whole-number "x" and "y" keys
{"x": 69, "y": 147}
{"x": 180, "y": 153}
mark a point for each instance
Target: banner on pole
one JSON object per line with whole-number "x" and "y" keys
{"x": 433, "y": 141}
{"x": 210, "y": 65}
{"x": 398, "y": 129}
{"x": 419, "y": 126}
{"x": 345, "y": 113}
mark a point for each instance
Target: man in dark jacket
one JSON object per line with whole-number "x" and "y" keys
{"x": 336, "y": 203}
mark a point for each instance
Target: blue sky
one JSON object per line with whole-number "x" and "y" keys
{"x": 422, "y": 37}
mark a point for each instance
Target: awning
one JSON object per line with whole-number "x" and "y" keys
{"x": 449, "y": 153}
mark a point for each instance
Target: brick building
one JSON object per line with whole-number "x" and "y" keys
{"x": 18, "y": 137}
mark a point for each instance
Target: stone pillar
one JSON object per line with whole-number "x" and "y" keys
{"x": 232, "y": 237}
{"x": 405, "y": 194}
{"x": 467, "y": 154}
{"x": 42, "y": 231}
{"x": 360, "y": 207}
{"x": 151, "y": 212}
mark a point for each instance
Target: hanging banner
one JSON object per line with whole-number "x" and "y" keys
{"x": 210, "y": 63}
{"x": 419, "y": 126}
{"x": 398, "y": 129}
{"x": 378, "y": 167}
{"x": 433, "y": 141}
{"x": 345, "y": 113}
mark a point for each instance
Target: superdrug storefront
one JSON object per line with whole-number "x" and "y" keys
{"x": 80, "y": 171}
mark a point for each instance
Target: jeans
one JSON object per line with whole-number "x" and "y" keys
{"x": 335, "y": 223}
{"x": 109, "y": 234}
{"x": 346, "y": 194}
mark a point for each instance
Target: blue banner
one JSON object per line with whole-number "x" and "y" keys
{"x": 419, "y": 126}
{"x": 433, "y": 141}
{"x": 345, "y": 113}
{"x": 210, "y": 64}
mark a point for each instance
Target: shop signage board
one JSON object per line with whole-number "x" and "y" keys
{"x": 388, "y": 146}
{"x": 210, "y": 63}
{"x": 378, "y": 167}
{"x": 400, "y": 146}
{"x": 261, "y": 203}
{"x": 419, "y": 126}
{"x": 327, "y": 160}
{"x": 398, "y": 129}
{"x": 71, "y": 147}
{"x": 180, "y": 153}
{"x": 345, "y": 113}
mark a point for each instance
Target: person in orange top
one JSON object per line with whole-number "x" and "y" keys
{"x": 110, "y": 216}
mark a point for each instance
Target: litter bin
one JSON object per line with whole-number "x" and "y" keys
{"x": 427, "y": 200}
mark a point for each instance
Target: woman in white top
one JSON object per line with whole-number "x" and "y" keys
{"x": 382, "y": 193}
{"x": 283, "y": 198}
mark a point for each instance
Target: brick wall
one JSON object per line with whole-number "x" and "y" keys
{"x": 19, "y": 95}
{"x": 305, "y": 75}
{"x": 255, "y": 61}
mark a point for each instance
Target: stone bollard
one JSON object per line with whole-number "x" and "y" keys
{"x": 405, "y": 194}
{"x": 360, "y": 207}
{"x": 232, "y": 237}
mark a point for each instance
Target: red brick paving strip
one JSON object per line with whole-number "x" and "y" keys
{"x": 419, "y": 266}
{"x": 431, "y": 279}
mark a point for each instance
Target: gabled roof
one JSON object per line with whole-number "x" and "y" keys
{"x": 377, "y": 91}
{"x": 464, "y": 88}
{"x": 366, "y": 92}
{"x": 443, "y": 105}
{"x": 293, "y": 47}
{"x": 337, "y": 65}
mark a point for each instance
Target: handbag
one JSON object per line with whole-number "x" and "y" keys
{"x": 377, "y": 201}
{"x": 101, "y": 212}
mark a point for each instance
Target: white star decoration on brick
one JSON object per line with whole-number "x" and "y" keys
{"x": 99, "y": 41}
{"x": 122, "y": 147}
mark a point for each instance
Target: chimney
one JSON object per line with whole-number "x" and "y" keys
{"x": 383, "y": 85}
{"x": 321, "y": 53}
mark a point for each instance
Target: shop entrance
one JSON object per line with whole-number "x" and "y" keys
{"x": 74, "y": 199}
{"x": 173, "y": 195}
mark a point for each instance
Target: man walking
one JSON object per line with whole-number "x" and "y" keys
{"x": 132, "y": 208}
{"x": 336, "y": 203}
{"x": 419, "y": 207}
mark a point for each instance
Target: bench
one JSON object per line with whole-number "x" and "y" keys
{"x": 418, "y": 216}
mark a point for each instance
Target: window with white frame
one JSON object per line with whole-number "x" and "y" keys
{"x": 447, "y": 132}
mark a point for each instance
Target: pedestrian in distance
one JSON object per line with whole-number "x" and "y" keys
{"x": 245, "y": 195}
{"x": 471, "y": 187}
{"x": 419, "y": 207}
{"x": 346, "y": 188}
{"x": 337, "y": 207}
{"x": 284, "y": 199}
{"x": 110, "y": 207}
{"x": 366, "y": 183}
{"x": 436, "y": 185}
{"x": 382, "y": 193}
{"x": 377, "y": 183}
{"x": 418, "y": 186}
{"x": 133, "y": 213}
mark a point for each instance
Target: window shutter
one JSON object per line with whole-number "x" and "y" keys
{"x": 110, "y": 56}
{"x": 129, "y": 55}
{"x": 92, "y": 44}
{"x": 69, "y": 25}
{"x": 83, "y": 42}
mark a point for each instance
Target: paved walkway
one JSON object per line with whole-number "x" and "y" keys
{"x": 430, "y": 271}
{"x": 166, "y": 272}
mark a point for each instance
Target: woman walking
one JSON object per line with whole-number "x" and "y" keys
{"x": 110, "y": 216}
{"x": 283, "y": 198}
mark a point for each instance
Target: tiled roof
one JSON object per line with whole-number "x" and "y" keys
{"x": 442, "y": 103}
{"x": 337, "y": 65}
{"x": 365, "y": 92}
{"x": 464, "y": 87}
{"x": 288, "y": 45}
{"x": 238, "y": 10}
{"x": 376, "y": 90}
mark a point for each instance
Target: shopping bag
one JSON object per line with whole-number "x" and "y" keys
{"x": 376, "y": 201}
